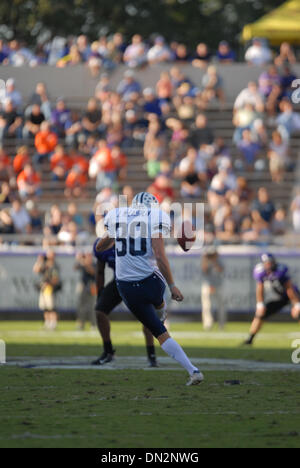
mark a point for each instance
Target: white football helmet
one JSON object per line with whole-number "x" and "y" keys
{"x": 144, "y": 199}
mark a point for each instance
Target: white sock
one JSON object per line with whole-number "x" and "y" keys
{"x": 175, "y": 351}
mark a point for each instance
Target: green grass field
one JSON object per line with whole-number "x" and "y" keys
{"x": 149, "y": 408}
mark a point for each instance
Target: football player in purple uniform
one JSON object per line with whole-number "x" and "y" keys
{"x": 108, "y": 299}
{"x": 274, "y": 291}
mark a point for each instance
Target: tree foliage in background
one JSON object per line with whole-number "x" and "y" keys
{"x": 188, "y": 21}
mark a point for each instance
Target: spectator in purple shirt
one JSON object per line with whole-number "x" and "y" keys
{"x": 60, "y": 115}
{"x": 267, "y": 80}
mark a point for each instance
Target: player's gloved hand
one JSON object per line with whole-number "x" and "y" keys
{"x": 176, "y": 294}
{"x": 260, "y": 309}
{"x": 296, "y": 311}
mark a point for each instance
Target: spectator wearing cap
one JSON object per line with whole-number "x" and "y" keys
{"x": 10, "y": 121}
{"x": 29, "y": 182}
{"x": 45, "y": 143}
{"x": 128, "y": 86}
{"x": 159, "y": 53}
{"x": 135, "y": 54}
{"x": 152, "y": 103}
{"x": 225, "y": 54}
{"x": 258, "y": 53}
{"x": 59, "y": 117}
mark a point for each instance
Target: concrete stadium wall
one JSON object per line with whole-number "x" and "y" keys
{"x": 75, "y": 84}
{"x": 18, "y": 281}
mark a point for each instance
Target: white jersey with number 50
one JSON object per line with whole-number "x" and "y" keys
{"x": 133, "y": 230}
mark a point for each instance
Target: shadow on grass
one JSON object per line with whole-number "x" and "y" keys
{"x": 92, "y": 351}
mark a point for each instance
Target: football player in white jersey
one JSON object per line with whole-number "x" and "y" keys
{"x": 143, "y": 270}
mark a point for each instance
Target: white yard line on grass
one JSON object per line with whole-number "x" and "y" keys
{"x": 140, "y": 363}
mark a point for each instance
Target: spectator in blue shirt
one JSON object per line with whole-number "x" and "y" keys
{"x": 3, "y": 53}
{"x": 60, "y": 115}
{"x": 225, "y": 54}
{"x": 249, "y": 148}
{"x": 152, "y": 103}
{"x": 129, "y": 85}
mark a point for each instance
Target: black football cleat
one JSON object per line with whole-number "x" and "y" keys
{"x": 106, "y": 358}
{"x": 153, "y": 362}
{"x": 248, "y": 342}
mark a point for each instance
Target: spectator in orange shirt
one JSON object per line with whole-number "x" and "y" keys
{"x": 79, "y": 160}
{"x": 102, "y": 167}
{"x": 21, "y": 159}
{"x": 162, "y": 189}
{"x": 45, "y": 143}
{"x": 29, "y": 182}
{"x": 120, "y": 161}
{"x": 75, "y": 183}
{"x": 61, "y": 163}
{"x": 5, "y": 166}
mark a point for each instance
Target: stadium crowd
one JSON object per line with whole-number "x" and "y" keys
{"x": 167, "y": 123}
{"x": 107, "y": 52}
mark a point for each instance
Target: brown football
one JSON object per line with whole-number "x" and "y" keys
{"x": 186, "y": 236}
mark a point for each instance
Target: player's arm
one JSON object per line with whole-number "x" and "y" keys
{"x": 163, "y": 264}
{"x": 100, "y": 276}
{"x": 260, "y": 299}
{"x": 294, "y": 298}
{"x": 105, "y": 243}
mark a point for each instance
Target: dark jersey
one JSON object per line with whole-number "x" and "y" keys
{"x": 275, "y": 281}
{"x": 108, "y": 257}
